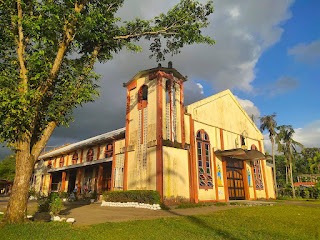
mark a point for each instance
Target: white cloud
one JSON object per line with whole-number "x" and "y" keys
{"x": 250, "y": 108}
{"x": 201, "y": 87}
{"x": 234, "y": 12}
{"x": 306, "y": 53}
{"x": 308, "y": 135}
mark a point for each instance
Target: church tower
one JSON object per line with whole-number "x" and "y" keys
{"x": 154, "y": 117}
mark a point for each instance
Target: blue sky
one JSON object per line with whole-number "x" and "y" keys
{"x": 267, "y": 52}
{"x": 297, "y": 106}
{"x": 297, "y": 102}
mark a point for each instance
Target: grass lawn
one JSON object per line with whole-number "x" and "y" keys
{"x": 262, "y": 222}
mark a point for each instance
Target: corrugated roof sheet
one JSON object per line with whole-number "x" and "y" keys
{"x": 83, "y": 143}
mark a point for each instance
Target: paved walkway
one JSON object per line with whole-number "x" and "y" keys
{"x": 94, "y": 213}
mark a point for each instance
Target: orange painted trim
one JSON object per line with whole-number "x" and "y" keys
{"x": 183, "y": 137}
{"x": 67, "y": 163}
{"x": 170, "y": 111}
{"x": 132, "y": 86}
{"x": 224, "y": 167}
{"x": 50, "y": 182}
{"x": 221, "y": 139}
{"x": 81, "y": 155}
{"x": 63, "y": 184}
{"x": 159, "y": 150}
{"x": 79, "y": 180}
{"x": 190, "y": 178}
{"x": 264, "y": 173}
{"x": 274, "y": 190}
{"x": 264, "y": 178}
{"x": 253, "y": 182}
{"x": 55, "y": 162}
{"x": 193, "y": 161}
{"x": 100, "y": 173}
{"x": 260, "y": 147}
{"x": 153, "y": 75}
{"x": 215, "y": 174}
{"x": 113, "y": 166}
{"x": 98, "y": 152}
{"x": 44, "y": 183}
{"x": 245, "y": 181}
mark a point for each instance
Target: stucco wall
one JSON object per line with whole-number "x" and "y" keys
{"x": 175, "y": 173}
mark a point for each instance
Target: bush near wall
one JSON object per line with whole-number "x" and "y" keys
{"x": 140, "y": 196}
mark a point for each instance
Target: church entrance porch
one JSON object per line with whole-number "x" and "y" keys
{"x": 235, "y": 182}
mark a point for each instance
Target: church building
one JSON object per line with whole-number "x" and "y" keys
{"x": 210, "y": 150}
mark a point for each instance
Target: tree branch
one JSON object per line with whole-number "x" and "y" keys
{"x": 38, "y": 147}
{"x": 21, "y": 51}
{"x": 68, "y": 37}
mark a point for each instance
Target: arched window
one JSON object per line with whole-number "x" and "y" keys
{"x": 90, "y": 154}
{"x": 168, "y": 91}
{"x": 253, "y": 147}
{"x": 109, "y": 150}
{"x": 49, "y": 164}
{"x": 75, "y": 158}
{"x": 61, "y": 163}
{"x": 143, "y": 97}
{"x": 204, "y": 161}
{"x": 257, "y": 175}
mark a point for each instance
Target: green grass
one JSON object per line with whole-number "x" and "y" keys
{"x": 196, "y": 205}
{"x": 192, "y": 205}
{"x": 263, "y": 222}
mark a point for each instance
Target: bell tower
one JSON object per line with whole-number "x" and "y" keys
{"x": 154, "y": 117}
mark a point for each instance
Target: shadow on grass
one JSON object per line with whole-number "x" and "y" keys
{"x": 202, "y": 224}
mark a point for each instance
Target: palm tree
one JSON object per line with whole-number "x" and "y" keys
{"x": 267, "y": 122}
{"x": 286, "y": 143}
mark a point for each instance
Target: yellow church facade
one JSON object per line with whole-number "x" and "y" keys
{"x": 210, "y": 150}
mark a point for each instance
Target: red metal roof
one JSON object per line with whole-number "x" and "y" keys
{"x": 304, "y": 184}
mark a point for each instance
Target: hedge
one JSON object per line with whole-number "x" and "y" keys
{"x": 140, "y": 196}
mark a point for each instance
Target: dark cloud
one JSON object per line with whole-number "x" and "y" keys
{"x": 306, "y": 53}
{"x": 241, "y": 31}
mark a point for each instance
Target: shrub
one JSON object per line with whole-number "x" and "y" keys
{"x": 55, "y": 204}
{"x": 51, "y": 203}
{"x": 140, "y": 196}
{"x": 32, "y": 192}
{"x": 94, "y": 195}
{"x": 43, "y": 202}
{"x": 64, "y": 195}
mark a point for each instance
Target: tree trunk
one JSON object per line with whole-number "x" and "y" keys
{"x": 286, "y": 175}
{"x": 291, "y": 175}
{"x": 25, "y": 160}
{"x": 274, "y": 169}
{"x": 17, "y": 206}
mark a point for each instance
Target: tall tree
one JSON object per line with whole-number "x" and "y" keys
{"x": 268, "y": 122}
{"x": 47, "y": 52}
{"x": 287, "y": 144}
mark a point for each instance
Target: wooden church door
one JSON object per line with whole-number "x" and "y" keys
{"x": 235, "y": 179}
